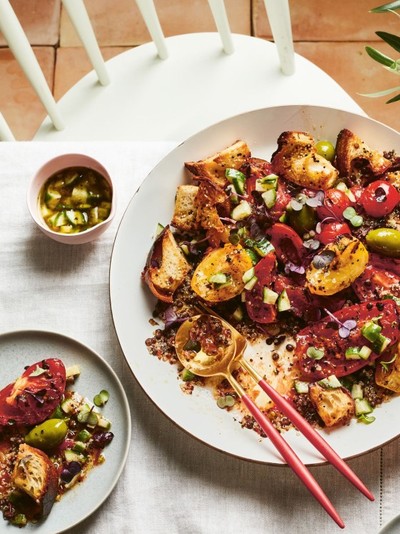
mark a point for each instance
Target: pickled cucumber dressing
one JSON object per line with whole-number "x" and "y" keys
{"x": 75, "y": 199}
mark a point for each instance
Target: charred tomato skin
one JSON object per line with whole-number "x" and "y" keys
{"x": 334, "y": 204}
{"x": 331, "y": 230}
{"x": 287, "y": 243}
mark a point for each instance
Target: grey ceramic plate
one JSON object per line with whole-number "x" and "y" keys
{"x": 21, "y": 348}
{"x": 393, "y": 527}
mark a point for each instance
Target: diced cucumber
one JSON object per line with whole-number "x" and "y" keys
{"x": 79, "y": 447}
{"x": 79, "y": 194}
{"x": 362, "y": 407}
{"x": 248, "y": 275}
{"x": 104, "y": 423}
{"x": 72, "y": 456}
{"x": 251, "y": 283}
{"x": 330, "y": 382}
{"x": 352, "y": 353}
{"x": 84, "y": 435}
{"x": 263, "y": 247}
{"x": 77, "y": 218}
{"x": 239, "y": 183}
{"x": 267, "y": 182}
{"x": 70, "y": 405}
{"x": 219, "y": 278}
{"x": 253, "y": 255}
{"x": 187, "y": 375}
{"x": 371, "y": 331}
{"x": 94, "y": 216}
{"x": 241, "y": 211}
{"x": 269, "y": 296}
{"x": 269, "y": 198}
{"x": 72, "y": 371}
{"x": 237, "y": 179}
{"x": 357, "y": 391}
{"x": 70, "y": 178}
{"x": 365, "y": 352}
{"x": 238, "y": 314}
{"x": 381, "y": 344}
{"x": 58, "y": 219}
{"x": 301, "y": 387}
{"x": 52, "y": 198}
{"x": 283, "y": 302}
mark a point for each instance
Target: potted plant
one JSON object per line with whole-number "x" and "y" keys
{"x": 388, "y": 63}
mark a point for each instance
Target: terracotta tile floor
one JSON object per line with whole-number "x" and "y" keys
{"x": 333, "y": 38}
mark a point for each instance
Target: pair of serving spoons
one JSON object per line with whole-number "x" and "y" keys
{"x": 231, "y": 353}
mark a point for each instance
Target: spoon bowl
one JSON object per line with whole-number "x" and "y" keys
{"x": 225, "y": 345}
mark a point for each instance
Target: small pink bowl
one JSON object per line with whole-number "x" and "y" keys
{"x": 43, "y": 174}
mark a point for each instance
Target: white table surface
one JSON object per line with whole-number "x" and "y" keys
{"x": 171, "y": 482}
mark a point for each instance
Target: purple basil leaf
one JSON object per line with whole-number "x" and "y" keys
{"x": 350, "y": 324}
{"x": 344, "y": 332}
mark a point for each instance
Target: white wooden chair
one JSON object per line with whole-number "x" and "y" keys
{"x": 172, "y": 87}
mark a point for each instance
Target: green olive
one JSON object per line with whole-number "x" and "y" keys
{"x": 386, "y": 241}
{"x": 302, "y": 220}
{"x": 325, "y": 149}
{"x": 48, "y": 434}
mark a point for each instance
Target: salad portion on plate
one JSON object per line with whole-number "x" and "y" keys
{"x": 64, "y": 431}
{"x": 300, "y": 252}
{"x": 51, "y": 437}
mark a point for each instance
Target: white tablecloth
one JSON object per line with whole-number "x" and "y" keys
{"x": 171, "y": 482}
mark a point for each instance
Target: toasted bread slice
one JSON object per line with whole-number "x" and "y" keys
{"x": 350, "y": 149}
{"x": 297, "y": 160}
{"x": 166, "y": 266}
{"x": 35, "y": 475}
{"x": 185, "y": 212}
{"x": 213, "y": 168}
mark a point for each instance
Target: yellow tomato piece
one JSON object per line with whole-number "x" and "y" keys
{"x": 227, "y": 264}
{"x": 345, "y": 260}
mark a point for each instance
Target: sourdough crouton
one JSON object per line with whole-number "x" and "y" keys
{"x": 35, "y": 475}
{"x": 213, "y": 168}
{"x": 388, "y": 376}
{"x": 208, "y": 199}
{"x": 334, "y": 406}
{"x": 166, "y": 266}
{"x": 350, "y": 150}
{"x": 185, "y": 212}
{"x": 297, "y": 160}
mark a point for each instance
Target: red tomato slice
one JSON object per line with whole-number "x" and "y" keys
{"x": 325, "y": 335}
{"x": 34, "y": 395}
{"x": 259, "y": 311}
{"x": 379, "y": 198}
{"x": 331, "y": 230}
{"x": 376, "y": 283}
{"x": 334, "y": 204}
{"x": 287, "y": 243}
{"x": 383, "y": 262}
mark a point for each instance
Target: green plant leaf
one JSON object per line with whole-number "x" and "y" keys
{"x": 386, "y": 7}
{"x": 381, "y": 93}
{"x": 380, "y": 58}
{"x": 394, "y": 99}
{"x": 390, "y": 39}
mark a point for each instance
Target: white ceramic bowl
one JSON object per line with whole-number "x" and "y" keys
{"x": 44, "y": 173}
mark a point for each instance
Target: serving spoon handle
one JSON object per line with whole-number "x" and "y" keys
{"x": 308, "y": 431}
{"x": 292, "y": 459}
